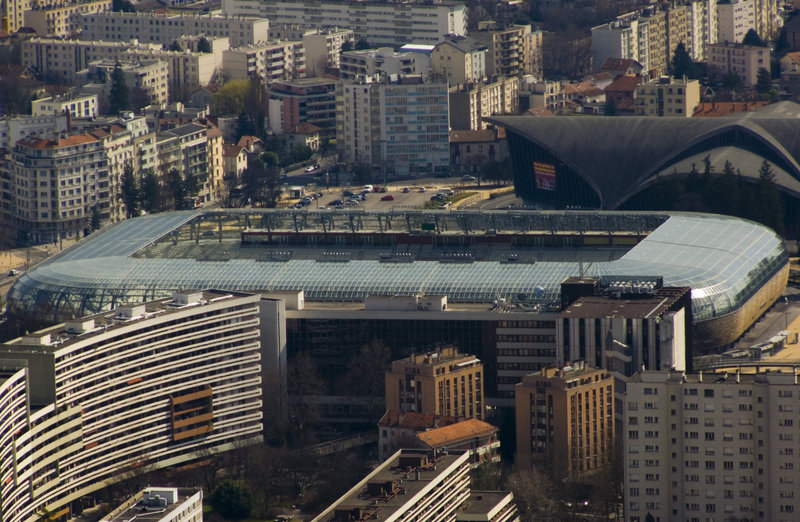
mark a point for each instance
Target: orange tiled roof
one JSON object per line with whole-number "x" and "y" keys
{"x": 795, "y": 56}
{"x": 625, "y": 83}
{"x": 305, "y": 128}
{"x": 41, "y": 143}
{"x": 230, "y": 150}
{"x": 413, "y": 420}
{"x": 716, "y": 109}
{"x": 247, "y": 141}
{"x": 455, "y": 433}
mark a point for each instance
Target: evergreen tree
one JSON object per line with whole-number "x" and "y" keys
{"x": 203, "y": 45}
{"x": 119, "y": 95}
{"x": 763, "y": 81}
{"x": 233, "y": 500}
{"x": 682, "y": 64}
{"x": 765, "y": 172}
{"x": 752, "y": 38}
{"x": 95, "y": 221}
{"x": 177, "y": 188}
{"x": 129, "y": 191}
{"x": 149, "y": 192}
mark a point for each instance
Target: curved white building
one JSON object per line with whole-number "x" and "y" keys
{"x": 146, "y": 386}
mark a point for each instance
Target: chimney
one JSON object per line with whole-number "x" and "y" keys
{"x": 700, "y": 376}
{"x": 738, "y": 375}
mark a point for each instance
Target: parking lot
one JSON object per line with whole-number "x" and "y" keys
{"x": 395, "y": 196}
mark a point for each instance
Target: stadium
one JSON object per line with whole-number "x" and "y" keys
{"x": 735, "y": 268}
{"x": 609, "y": 163}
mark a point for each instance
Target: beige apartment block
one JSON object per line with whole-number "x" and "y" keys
{"x": 668, "y": 97}
{"x": 273, "y": 62}
{"x": 323, "y": 49}
{"x": 62, "y": 19}
{"x": 513, "y": 51}
{"x": 742, "y": 60}
{"x": 712, "y": 446}
{"x": 444, "y": 382}
{"x": 735, "y": 18}
{"x": 470, "y": 103}
{"x": 459, "y": 59}
{"x": 565, "y": 419}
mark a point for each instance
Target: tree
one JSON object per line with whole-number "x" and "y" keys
{"x": 497, "y": 171}
{"x": 129, "y": 191}
{"x": 682, "y": 64}
{"x": 177, "y": 188}
{"x": 362, "y": 44}
{"x": 765, "y": 172}
{"x": 752, "y": 38}
{"x": 203, "y": 45}
{"x": 232, "y": 500}
{"x": 124, "y": 6}
{"x": 763, "y": 81}
{"x": 149, "y": 192}
{"x": 230, "y": 97}
{"x": 175, "y": 46}
{"x": 362, "y": 174}
{"x": 94, "y": 221}
{"x": 244, "y": 126}
{"x": 611, "y": 107}
{"x": 260, "y": 184}
{"x": 138, "y": 98}
{"x": 347, "y": 46}
{"x": 731, "y": 80}
{"x": 119, "y": 94}
{"x": 535, "y": 493}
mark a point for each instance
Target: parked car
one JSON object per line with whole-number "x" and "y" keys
{"x": 422, "y": 189}
{"x": 387, "y": 197}
{"x": 406, "y": 190}
{"x": 437, "y": 197}
{"x": 336, "y": 203}
{"x": 348, "y": 193}
{"x": 351, "y": 202}
{"x": 312, "y": 168}
{"x": 469, "y": 178}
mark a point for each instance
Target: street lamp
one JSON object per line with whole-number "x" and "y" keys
{"x": 786, "y": 312}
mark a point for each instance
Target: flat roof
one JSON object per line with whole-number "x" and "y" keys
{"x": 591, "y": 306}
{"x": 724, "y": 260}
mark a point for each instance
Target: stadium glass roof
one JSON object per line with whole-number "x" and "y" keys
{"x": 724, "y": 260}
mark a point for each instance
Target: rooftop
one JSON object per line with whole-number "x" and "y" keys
{"x": 155, "y": 504}
{"x": 415, "y": 421}
{"x": 456, "y": 433}
{"x": 607, "y": 306}
{"x": 394, "y": 485}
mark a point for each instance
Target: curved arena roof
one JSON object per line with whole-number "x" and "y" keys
{"x": 618, "y": 155}
{"x": 725, "y": 260}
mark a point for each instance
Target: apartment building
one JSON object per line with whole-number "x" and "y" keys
{"x": 64, "y": 58}
{"x": 375, "y": 127}
{"x": 471, "y": 102}
{"x": 311, "y": 100}
{"x": 409, "y": 485}
{"x": 711, "y": 446}
{"x": 76, "y": 104}
{"x": 735, "y": 18}
{"x": 160, "y": 504}
{"x": 704, "y": 27}
{"x": 14, "y": 128}
{"x": 145, "y": 386}
{"x": 679, "y": 28}
{"x": 657, "y": 58}
{"x": 323, "y": 47}
{"x": 398, "y": 429}
{"x": 369, "y": 62}
{"x": 667, "y": 97}
{"x": 185, "y": 149}
{"x": 381, "y": 24}
{"x": 271, "y": 61}
{"x": 62, "y": 20}
{"x": 151, "y": 76}
{"x": 565, "y": 419}
{"x": 459, "y": 59}
{"x": 444, "y": 382}
{"x": 513, "y": 51}
{"x": 163, "y": 29}
{"x": 734, "y": 58}
{"x": 621, "y": 38}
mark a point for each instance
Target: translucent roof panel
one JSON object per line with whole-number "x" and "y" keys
{"x": 724, "y": 260}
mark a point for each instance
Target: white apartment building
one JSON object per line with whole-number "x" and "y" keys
{"x": 734, "y": 58}
{"x": 380, "y": 23}
{"x": 704, "y": 30}
{"x": 273, "y": 61}
{"x": 712, "y": 446}
{"x": 163, "y": 29}
{"x": 151, "y": 76}
{"x": 734, "y": 19}
{"x": 65, "y": 58}
{"x": 400, "y": 126}
{"x": 161, "y": 505}
{"x": 368, "y": 62}
{"x": 323, "y": 47}
{"x": 145, "y": 386}
{"x": 78, "y": 105}
{"x": 619, "y": 38}
{"x": 13, "y": 129}
{"x": 667, "y": 97}
{"x": 62, "y": 19}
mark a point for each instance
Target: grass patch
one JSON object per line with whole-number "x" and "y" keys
{"x": 460, "y": 196}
